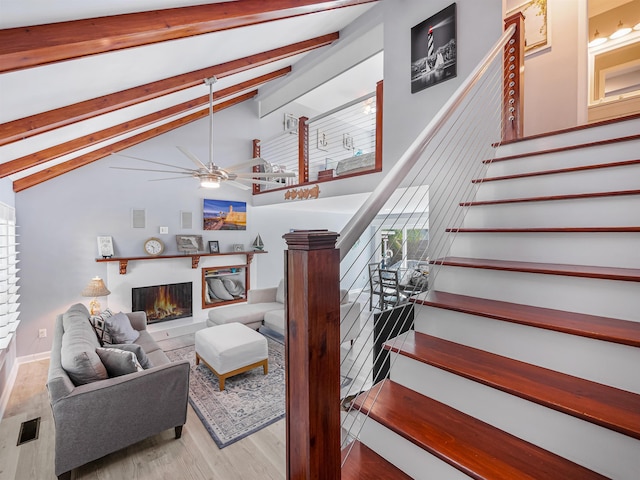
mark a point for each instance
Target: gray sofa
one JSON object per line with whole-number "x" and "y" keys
{"x": 97, "y": 418}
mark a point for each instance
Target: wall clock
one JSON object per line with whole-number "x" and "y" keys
{"x": 153, "y": 246}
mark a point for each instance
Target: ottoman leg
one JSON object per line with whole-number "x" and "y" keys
{"x": 265, "y": 367}
{"x": 221, "y": 381}
{"x": 197, "y": 359}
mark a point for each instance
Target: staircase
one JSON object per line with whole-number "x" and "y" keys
{"x": 525, "y": 359}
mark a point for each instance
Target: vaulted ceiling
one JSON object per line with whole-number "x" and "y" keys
{"x": 79, "y": 82}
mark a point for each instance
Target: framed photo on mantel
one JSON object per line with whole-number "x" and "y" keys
{"x": 105, "y": 246}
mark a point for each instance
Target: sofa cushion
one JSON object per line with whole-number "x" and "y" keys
{"x": 148, "y": 344}
{"x": 136, "y": 349}
{"x": 118, "y": 362}
{"x": 280, "y": 293}
{"x": 120, "y": 330}
{"x": 78, "y": 352}
{"x": 242, "y": 313}
{"x": 234, "y": 287}
{"x": 274, "y": 319}
{"x": 99, "y": 326}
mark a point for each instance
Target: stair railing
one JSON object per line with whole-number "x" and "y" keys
{"x": 422, "y": 195}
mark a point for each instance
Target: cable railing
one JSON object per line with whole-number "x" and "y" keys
{"x": 422, "y": 196}
{"x": 281, "y": 154}
{"x": 343, "y": 140}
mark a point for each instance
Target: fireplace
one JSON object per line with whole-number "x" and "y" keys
{"x": 163, "y": 302}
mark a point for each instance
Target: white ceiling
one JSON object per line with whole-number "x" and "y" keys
{"x": 31, "y": 91}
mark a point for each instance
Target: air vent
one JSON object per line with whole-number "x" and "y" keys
{"x": 29, "y": 431}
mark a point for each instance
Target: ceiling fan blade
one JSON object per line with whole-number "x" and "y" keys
{"x": 152, "y": 161}
{"x": 232, "y": 183}
{"x": 192, "y": 157}
{"x": 249, "y": 164}
{"x": 168, "y": 178}
{"x": 190, "y": 173}
{"x": 260, "y": 182}
{"x": 267, "y": 175}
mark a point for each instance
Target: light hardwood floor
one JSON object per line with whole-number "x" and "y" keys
{"x": 194, "y": 456}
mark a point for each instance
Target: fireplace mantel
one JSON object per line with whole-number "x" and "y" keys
{"x": 195, "y": 258}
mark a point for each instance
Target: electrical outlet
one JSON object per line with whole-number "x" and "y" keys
{"x": 164, "y": 230}
{"x": 42, "y": 333}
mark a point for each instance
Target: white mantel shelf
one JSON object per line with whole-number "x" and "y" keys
{"x": 195, "y": 258}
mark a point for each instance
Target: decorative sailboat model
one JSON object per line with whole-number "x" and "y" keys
{"x": 257, "y": 243}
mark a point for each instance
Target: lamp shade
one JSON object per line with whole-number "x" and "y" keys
{"x": 95, "y": 288}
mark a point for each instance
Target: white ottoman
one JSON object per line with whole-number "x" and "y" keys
{"x": 231, "y": 349}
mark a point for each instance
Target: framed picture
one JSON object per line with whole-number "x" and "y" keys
{"x": 535, "y": 25}
{"x": 434, "y": 57}
{"x": 290, "y": 123}
{"x": 189, "y": 243}
{"x": 323, "y": 140}
{"x": 105, "y": 247}
{"x": 238, "y": 247}
{"x": 224, "y": 215}
{"x": 214, "y": 247}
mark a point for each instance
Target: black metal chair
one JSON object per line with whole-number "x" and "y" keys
{"x": 389, "y": 289}
{"x": 374, "y": 283}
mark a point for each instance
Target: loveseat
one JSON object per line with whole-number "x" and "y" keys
{"x": 265, "y": 306}
{"x": 96, "y": 413}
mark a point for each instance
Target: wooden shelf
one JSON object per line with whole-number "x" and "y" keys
{"x": 195, "y": 258}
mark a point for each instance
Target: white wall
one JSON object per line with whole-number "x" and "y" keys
{"x": 555, "y": 85}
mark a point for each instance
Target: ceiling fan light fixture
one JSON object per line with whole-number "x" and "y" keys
{"x": 209, "y": 181}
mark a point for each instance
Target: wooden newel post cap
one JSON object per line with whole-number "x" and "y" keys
{"x": 311, "y": 240}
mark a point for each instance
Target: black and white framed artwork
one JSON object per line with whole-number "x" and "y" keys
{"x": 434, "y": 50}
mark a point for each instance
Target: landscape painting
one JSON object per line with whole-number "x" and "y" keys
{"x": 434, "y": 50}
{"x": 224, "y": 215}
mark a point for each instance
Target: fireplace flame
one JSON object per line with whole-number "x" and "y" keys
{"x": 164, "y": 305}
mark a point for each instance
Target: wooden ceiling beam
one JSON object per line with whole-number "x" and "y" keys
{"x": 65, "y": 167}
{"x": 46, "y": 121}
{"x": 57, "y": 151}
{"x": 25, "y": 47}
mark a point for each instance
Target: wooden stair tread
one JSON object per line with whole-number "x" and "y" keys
{"x": 587, "y": 271}
{"x": 591, "y": 326}
{"x": 362, "y": 462}
{"x": 551, "y": 198}
{"x": 564, "y": 149}
{"x": 557, "y": 171}
{"x": 600, "y": 404}
{"x": 468, "y": 444}
{"x": 548, "y": 230}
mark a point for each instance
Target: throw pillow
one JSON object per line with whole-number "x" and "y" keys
{"x": 218, "y": 289}
{"x": 118, "y": 362}
{"x": 280, "y": 292}
{"x": 234, "y": 287}
{"x": 120, "y": 330}
{"x": 97, "y": 321}
{"x": 143, "y": 360}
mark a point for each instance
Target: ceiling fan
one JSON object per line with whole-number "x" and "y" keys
{"x": 209, "y": 174}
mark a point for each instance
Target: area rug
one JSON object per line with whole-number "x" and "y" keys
{"x": 249, "y": 402}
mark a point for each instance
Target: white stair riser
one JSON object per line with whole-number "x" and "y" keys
{"x": 605, "y": 451}
{"x": 599, "y": 361}
{"x": 578, "y": 137}
{"x": 605, "y": 249}
{"x": 566, "y": 159}
{"x": 411, "y": 459}
{"x": 619, "y": 211}
{"x": 606, "y": 298}
{"x": 588, "y": 181}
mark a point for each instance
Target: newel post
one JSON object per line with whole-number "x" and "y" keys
{"x": 513, "y": 86}
{"x": 312, "y": 355}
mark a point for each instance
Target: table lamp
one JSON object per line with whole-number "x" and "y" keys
{"x": 95, "y": 288}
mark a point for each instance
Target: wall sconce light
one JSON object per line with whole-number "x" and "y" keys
{"x": 95, "y": 288}
{"x": 620, "y": 32}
